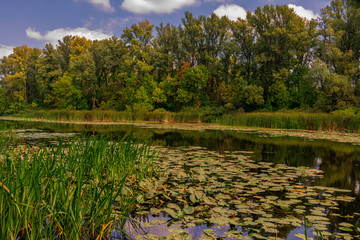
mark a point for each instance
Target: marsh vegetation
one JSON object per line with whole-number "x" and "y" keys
{"x": 198, "y": 185}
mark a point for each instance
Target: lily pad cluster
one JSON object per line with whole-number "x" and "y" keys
{"x": 232, "y": 196}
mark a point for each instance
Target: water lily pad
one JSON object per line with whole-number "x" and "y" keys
{"x": 189, "y": 210}
{"x": 155, "y": 211}
{"x": 171, "y": 212}
{"x": 173, "y": 206}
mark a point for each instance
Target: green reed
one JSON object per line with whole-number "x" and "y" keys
{"x": 280, "y": 120}
{"x": 81, "y": 190}
{"x": 293, "y": 120}
{"x": 115, "y": 116}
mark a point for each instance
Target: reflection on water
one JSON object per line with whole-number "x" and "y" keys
{"x": 357, "y": 187}
{"x": 339, "y": 161}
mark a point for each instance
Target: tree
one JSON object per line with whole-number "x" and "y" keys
{"x": 167, "y": 46}
{"x": 49, "y": 71}
{"x": 65, "y": 95}
{"x": 340, "y": 47}
{"x": 21, "y": 73}
{"x": 82, "y": 69}
{"x": 139, "y": 41}
{"x": 193, "y": 38}
{"x": 191, "y": 91}
{"x": 335, "y": 90}
{"x": 109, "y": 56}
{"x": 283, "y": 41}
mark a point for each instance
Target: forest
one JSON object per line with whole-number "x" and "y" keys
{"x": 272, "y": 60}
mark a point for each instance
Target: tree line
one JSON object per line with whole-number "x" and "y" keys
{"x": 272, "y": 60}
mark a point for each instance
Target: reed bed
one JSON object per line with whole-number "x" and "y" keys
{"x": 80, "y": 190}
{"x": 307, "y": 121}
{"x": 279, "y": 120}
{"x": 115, "y": 116}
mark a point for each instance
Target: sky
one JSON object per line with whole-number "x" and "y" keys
{"x": 36, "y": 22}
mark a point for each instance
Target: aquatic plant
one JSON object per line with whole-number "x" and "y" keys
{"x": 84, "y": 189}
{"x": 115, "y": 116}
{"x": 293, "y": 120}
{"x": 244, "y": 198}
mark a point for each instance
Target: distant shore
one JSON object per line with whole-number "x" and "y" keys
{"x": 337, "y": 136}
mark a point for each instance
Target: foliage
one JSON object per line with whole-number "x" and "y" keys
{"x": 273, "y": 59}
{"x": 65, "y": 95}
{"x": 83, "y": 190}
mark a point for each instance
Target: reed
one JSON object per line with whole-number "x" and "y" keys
{"x": 279, "y": 120}
{"x": 293, "y": 120}
{"x": 81, "y": 190}
{"x": 115, "y": 116}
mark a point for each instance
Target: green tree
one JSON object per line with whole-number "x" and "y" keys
{"x": 21, "y": 73}
{"x": 168, "y": 51}
{"x": 109, "y": 56}
{"x": 335, "y": 91}
{"x": 65, "y": 95}
{"x": 82, "y": 69}
{"x": 283, "y": 41}
{"x": 49, "y": 71}
{"x": 192, "y": 86}
{"x": 340, "y": 47}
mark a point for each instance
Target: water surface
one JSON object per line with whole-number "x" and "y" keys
{"x": 340, "y": 163}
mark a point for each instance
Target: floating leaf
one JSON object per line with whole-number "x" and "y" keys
{"x": 173, "y": 206}
{"x": 171, "y": 212}
{"x": 346, "y": 229}
{"x": 140, "y": 199}
{"x": 189, "y": 210}
{"x": 155, "y": 211}
{"x": 193, "y": 198}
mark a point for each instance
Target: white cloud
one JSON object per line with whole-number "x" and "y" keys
{"x": 57, "y": 34}
{"x": 102, "y": 4}
{"x": 156, "y": 6}
{"x": 232, "y": 11}
{"x": 304, "y": 13}
{"x": 5, "y": 50}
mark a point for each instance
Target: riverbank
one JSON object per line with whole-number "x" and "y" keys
{"x": 337, "y": 121}
{"x": 337, "y": 136}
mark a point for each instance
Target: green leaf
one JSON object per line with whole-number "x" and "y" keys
{"x": 346, "y": 229}
{"x": 189, "y": 210}
{"x": 193, "y": 198}
{"x": 171, "y": 212}
{"x": 140, "y": 199}
{"x": 173, "y": 206}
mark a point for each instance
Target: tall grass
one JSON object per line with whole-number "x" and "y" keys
{"x": 280, "y": 120}
{"x": 115, "y": 116}
{"x": 307, "y": 121}
{"x": 83, "y": 190}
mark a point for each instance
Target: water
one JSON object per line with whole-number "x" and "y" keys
{"x": 339, "y": 161}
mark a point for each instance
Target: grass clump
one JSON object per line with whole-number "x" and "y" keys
{"x": 293, "y": 120}
{"x": 84, "y": 190}
{"x": 115, "y": 116}
{"x": 337, "y": 121}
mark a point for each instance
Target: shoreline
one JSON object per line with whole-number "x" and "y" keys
{"x": 343, "y": 137}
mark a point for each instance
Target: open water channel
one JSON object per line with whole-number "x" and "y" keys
{"x": 235, "y": 184}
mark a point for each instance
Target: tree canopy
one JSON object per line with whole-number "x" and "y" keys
{"x": 273, "y": 59}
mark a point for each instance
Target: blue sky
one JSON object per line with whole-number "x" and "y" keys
{"x": 35, "y": 22}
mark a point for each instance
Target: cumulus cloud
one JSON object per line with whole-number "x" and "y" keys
{"x": 155, "y": 6}
{"x": 232, "y": 11}
{"x": 5, "y": 50}
{"x": 304, "y": 13}
{"x": 57, "y": 34}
